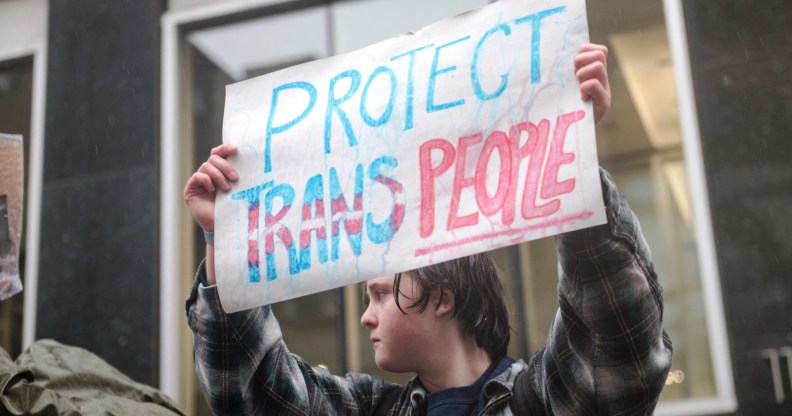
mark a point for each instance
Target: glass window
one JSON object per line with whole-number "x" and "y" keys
{"x": 639, "y": 142}
{"x": 313, "y": 326}
{"x": 354, "y": 28}
{"x": 233, "y": 52}
{"x": 16, "y": 95}
{"x": 653, "y": 175}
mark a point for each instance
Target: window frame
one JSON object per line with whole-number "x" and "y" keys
{"x": 725, "y": 400}
{"x": 175, "y": 223}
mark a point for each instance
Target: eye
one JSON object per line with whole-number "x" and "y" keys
{"x": 373, "y": 296}
{"x": 379, "y": 294}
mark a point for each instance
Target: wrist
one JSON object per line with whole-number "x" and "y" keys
{"x": 209, "y": 237}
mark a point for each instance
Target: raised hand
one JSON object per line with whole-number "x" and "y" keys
{"x": 591, "y": 69}
{"x": 201, "y": 189}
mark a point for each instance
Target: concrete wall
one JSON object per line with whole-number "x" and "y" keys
{"x": 741, "y": 59}
{"x": 98, "y": 268}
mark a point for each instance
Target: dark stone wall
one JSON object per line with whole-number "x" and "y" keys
{"x": 741, "y": 56}
{"x": 98, "y": 272}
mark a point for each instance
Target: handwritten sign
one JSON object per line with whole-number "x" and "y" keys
{"x": 465, "y": 136}
{"x": 11, "y": 197}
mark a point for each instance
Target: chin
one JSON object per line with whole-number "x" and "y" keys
{"x": 382, "y": 364}
{"x": 386, "y": 365}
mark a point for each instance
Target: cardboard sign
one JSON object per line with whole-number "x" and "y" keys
{"x": 465, "y": 136}
{"x": 11, "y": 184}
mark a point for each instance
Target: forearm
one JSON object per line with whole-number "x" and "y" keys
{"x": 244, "y": 367}
{"x": 227, "y": 350}
{"x": 211, "y": 280}
{"x": 611, "y": 307}
{"x": 607, "y": 277}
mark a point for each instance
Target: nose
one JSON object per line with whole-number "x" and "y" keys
{"x": 368, "y": 319}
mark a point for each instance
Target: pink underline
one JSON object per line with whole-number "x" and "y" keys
{"x": 547, "y": 224}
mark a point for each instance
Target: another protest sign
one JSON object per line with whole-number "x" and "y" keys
{"x": 11, "y": 201}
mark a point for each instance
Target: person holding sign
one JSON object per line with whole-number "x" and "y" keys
{"x": 606, "y": 352}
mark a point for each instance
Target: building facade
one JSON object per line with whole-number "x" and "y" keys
{"x": 120, "y": 101}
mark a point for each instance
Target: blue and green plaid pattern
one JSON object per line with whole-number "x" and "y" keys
{"x": 606, "y": 353}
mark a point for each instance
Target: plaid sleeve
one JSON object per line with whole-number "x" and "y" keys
{"x": 244, "y": 367}
{"x": 607, "y": 353}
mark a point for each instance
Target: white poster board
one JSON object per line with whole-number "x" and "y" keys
{"x": 463, "y": 137}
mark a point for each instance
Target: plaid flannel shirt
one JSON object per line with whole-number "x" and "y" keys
{"x": 606, "y": 353}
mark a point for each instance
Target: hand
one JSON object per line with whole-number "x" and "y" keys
{"x": 591, "y": 70}
{"x": 201, "y": 189}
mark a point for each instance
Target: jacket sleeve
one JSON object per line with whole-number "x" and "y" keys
{"x": 244, "y": 367}
{"x": 607, "y": 353}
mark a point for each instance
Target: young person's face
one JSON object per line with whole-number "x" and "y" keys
{"x": 400, "y": 341}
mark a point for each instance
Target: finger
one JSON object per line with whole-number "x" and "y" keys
{"x": 224, "y": 166}
{"x": 224, "y": 150}
{"x": 593, "y": 71}
{"x": 217, "y": 177}
{"x": 600, "y": 97}
{"x": 587, "y": 58}
{"x": 594, "y": 90}
{"x": 199, "y": 183}
{"x": 218, "y": 157}
{"x": 588, "y": 47}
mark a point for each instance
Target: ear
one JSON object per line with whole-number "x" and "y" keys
{"x": 445, "y": 303}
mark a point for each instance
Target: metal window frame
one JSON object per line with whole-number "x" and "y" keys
{"x": 176, "y": 23}
{"x": 725, "y": 400}
{"x": 173, "y": 230}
